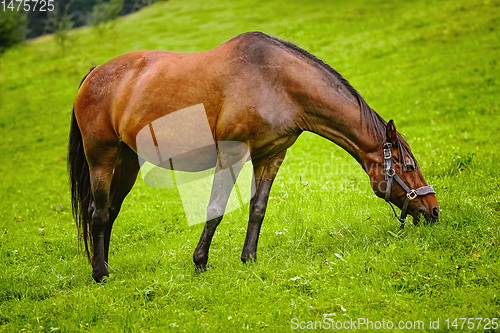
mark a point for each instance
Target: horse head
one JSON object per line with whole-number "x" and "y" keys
{"x": 396, "y": 177}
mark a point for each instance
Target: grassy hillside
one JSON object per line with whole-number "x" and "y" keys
{"x": 329, "y": 248}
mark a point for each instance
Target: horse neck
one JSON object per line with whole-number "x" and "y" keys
{"x": 336, "y": 116}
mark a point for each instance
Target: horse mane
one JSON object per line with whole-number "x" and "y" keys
{"x": 373, "y": 121}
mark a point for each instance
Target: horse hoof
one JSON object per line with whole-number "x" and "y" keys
{"x": 99, "y": 276}
{"x": 200, "y": 260}
{"x": 248, "y": 258}
{"x": 201, "y": 268}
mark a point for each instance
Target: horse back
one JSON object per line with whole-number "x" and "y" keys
{"x": 240, "y": 85}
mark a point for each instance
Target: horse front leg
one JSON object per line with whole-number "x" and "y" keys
{"x": 221, "y": 189}
{"x": 264, "y": 172}
{"x": 224, "y": 180}
{"x": 200, "y": 255}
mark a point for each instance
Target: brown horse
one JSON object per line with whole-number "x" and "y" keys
{"x": 255, "y": 89}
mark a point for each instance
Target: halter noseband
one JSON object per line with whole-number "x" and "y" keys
{"x": 391, "y": 175}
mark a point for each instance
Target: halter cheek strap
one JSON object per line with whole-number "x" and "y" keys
{"x": 390, "y": 176}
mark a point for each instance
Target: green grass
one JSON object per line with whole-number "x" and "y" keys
{"x": 329, "y": 248}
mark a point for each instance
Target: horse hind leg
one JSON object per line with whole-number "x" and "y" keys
{"x": 102, "y": 162}
{"x": 124, "y": 177}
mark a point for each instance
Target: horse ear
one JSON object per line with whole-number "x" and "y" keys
{"x": 392, "y": 134}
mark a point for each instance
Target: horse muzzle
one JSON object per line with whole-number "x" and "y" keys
{"x": 429, "y": 212}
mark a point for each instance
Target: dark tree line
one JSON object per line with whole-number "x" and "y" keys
{"x": 16, "y": 26}
{"x": 80, "y": 11}
{"x": 12, "y": 29}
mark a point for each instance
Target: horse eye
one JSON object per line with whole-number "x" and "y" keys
{"x": 410, "y": 168}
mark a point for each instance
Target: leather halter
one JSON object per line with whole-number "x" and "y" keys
{"x": 391, "y": 175}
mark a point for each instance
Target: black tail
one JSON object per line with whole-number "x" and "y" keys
{"x": 79, "y": 175}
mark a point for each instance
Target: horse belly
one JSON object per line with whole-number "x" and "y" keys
{"x": 195, "y": 160}
{"x": 181, "y": 140}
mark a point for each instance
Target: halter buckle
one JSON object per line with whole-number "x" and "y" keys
{"x": 412, "y": 194}
{"x": 387, "y": 151}
{"x": 389, "y": 172}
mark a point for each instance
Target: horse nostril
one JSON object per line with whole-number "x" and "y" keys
{"x": 435, "y": 212}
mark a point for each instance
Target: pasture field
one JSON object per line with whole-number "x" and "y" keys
{"x": 329, "y": 248}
